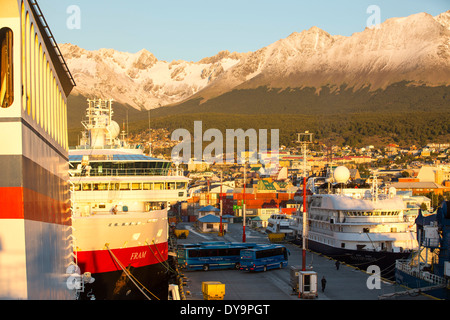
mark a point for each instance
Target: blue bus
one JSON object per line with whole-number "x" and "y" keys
{"x": 264, "y": 257}
{"x": 199, "y": 244}
{"x": 212, "y": 256}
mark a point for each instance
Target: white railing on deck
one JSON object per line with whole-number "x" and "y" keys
{"x": 403, "y": 265}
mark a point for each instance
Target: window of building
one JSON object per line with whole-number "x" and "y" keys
{"x": 6, "y": 68}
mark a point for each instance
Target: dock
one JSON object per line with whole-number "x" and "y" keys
{"x": 345, "y": 283}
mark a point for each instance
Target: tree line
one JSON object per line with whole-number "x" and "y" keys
{"x": 356, "y": 130}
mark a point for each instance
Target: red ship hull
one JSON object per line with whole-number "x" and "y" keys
{"x": 126, "y": 274}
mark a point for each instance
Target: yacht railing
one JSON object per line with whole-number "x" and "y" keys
{"x": 405, "y": 266}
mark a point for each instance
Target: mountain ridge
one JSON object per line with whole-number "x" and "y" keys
{"x": 415, "y": 49}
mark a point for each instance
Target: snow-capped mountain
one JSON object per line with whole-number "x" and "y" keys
{"x": 140, "y": 79}
{"x": 414, "y": 49}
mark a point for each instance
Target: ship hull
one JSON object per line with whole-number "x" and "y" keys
{"x": 361, "y": 259}
{"x": 126, "y": 254}
{"x": 139, "y": 273}
{"x": 410, "y": 281}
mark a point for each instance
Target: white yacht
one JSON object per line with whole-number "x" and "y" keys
{"x": 361, "y": 227}
{"x": 279, "y": 223}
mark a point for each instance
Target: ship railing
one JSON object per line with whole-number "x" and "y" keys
{"x": 109, "y": 146}
{"x": 119, "y": 172}
{"x": 405, "y": 266}
{"x": 119, "y": 213}
{"x": 431, "y": 242}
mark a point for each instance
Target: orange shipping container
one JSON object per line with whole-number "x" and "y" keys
{"x": 240, "y": 196}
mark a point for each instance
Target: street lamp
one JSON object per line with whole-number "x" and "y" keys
{"x": 244, "y": 239}
{"x": 304, "y": 139}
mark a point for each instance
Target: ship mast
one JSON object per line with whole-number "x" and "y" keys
{"x": 101, "y": 130}
{"x": 374, "y": 188}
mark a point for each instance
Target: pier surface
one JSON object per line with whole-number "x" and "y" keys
{"x": 347, "y": 283}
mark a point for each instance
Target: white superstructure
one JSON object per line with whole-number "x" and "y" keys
{"x": 35, "y": 225}
{"x": 106, "y": 172}
{"x": 120, "y": 200}
{"x": 358, "y": 219}
{"x": 279, "y": 223}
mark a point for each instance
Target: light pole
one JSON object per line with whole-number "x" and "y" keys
{"x": 221, "y": 205}
{"x": 304, "y": 139}
{"x": 244, "y": 239}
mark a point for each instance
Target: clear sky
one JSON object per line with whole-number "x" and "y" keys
{"x": 193, "y": 29}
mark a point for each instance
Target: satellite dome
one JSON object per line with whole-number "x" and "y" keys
{"x": 341, "y": 175}
{"x": 392, "y": 191}
{"x": 114, "y": 129}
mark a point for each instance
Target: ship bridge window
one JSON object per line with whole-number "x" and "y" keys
{"x": 159, "y": 186}
{"x": 181, "y": 185}
{"x": 148, "y": 186}
{"x": 87, "y": 187}
{"x": 124, "y": 186}
{"x": 170, "y": 185}
{"x": 113, "y": 186}
{"x": 6, "y": 68}
{"x": 100, "y": 186}
{"x": 136, "y": 186}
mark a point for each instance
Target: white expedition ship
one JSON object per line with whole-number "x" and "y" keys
{"x": 361, "y": 227}
{"x": 120, "y": 199}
